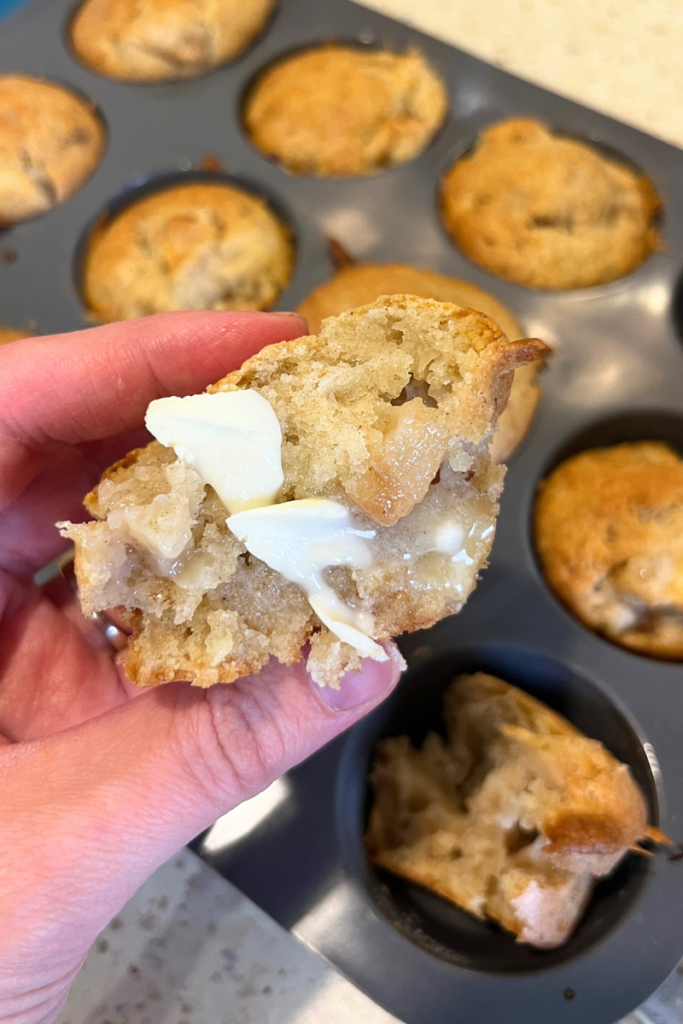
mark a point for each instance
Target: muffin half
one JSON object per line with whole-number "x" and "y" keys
{"x": 51, "y": 141}
{"x": 157, "y": 41}
{"x": 547, "y": 211}
{"x": 514, "y": 816}
{"x": 200, "y": 245}
{"x": 336, "y": 490}
{"x": 345, "y": 111}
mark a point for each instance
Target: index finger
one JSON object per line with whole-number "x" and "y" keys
{"x": 96, "y": 383}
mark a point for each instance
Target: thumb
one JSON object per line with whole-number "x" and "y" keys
{"x": 89, "y": 813}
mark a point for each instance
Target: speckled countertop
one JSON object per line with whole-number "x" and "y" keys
{"x": 622, "y": 57}
{"x": 189, "y": 948}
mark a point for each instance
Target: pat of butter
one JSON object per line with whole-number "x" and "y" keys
{"x": 232, "y": 438}
{"x": 299, "y": 539}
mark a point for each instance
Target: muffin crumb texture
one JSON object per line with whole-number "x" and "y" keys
{"x": 547, "y": 211}
{"x": 358, "y": 284}
{"x": 389, "y": 413}
{"x": 159, "y": 41}
{"x": 609, "y": 534}
{"x": 513, "y": 816}
{"x": 51, "y": 141}
{"x": 201, "y": 245}
{"x": 342, "y": 111}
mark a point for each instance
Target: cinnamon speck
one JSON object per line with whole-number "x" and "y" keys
{"x": 211, "y": 162}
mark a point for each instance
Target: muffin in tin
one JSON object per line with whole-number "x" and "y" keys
{"x": 156, "y": 41}
{"x": 359, "y": 284}
{"x": 345, "y": 111}
{"x": 514, "y": 815}
{"x": 609, "y": 533}
{"x": 51, "y": 141}
{"x": 195, "y": 245}
{"x": 12, "y": 334}
{"x": 546, "y": 211}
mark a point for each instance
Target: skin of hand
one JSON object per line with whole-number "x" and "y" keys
{"x": 97, "y": 789}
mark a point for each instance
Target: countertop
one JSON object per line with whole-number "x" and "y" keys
{"x": 189, "y": 948}
{"x": 622, "y": 57}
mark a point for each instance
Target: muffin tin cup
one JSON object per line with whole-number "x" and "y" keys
{"x": 618, "y": 360}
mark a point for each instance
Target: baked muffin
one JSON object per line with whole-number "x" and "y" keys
{"x": 200, "y": 245}
{"x": 609, "y": 534}
{"x": 10, "y": 334}
{"x": 51, "y": 141}
{"x": 157, "y": 41}
{"x": 374, "y": 440}
{"x": 513, "y": 817}
{"x": 547, "y": 211}
{"x": 345, "y": 111}
{"x": 359, "y": 284}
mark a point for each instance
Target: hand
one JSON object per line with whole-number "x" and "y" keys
{"x": 98, "y": 789}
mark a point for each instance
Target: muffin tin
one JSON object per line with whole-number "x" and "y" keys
{"x": 617, "y": 374}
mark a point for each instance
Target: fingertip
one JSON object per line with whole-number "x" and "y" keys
{"x": 371, "y": 685}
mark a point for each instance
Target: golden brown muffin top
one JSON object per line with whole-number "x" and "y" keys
{"x": 609, "y": 533}
{"x": 547, "y": 211}
{"x": 50, "y": 141}
{"x": 11, "y": 334}
{"x": 344, "y": 111}
{"x": 191, "y": 246}
{"x": 162, "y": 40}
{"x": 362, "y": 283}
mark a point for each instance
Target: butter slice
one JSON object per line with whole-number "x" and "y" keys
{"x": 299, "y": 539}
{"x": 232, "y": 438}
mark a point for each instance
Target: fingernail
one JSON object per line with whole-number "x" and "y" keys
{"x": 297, "y": 316}
{"x": 375, "y": 679}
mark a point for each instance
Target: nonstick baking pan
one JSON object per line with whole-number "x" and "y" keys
{"x": 616, "y": 374}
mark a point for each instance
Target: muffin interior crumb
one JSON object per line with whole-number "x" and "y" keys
{"x": 512, "y": 816}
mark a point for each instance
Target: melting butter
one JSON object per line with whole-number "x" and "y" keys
{"x": 299, "y": 539}
{"x": 232, "y": 438}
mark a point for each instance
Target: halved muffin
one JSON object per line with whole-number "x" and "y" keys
{"x": 513, "y": 816}
{"x": 377, "y": 515}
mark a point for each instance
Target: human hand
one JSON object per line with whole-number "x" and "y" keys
{"x": 96, "y": 789}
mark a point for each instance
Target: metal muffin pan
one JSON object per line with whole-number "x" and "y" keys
{"x": 617, "y": 373}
